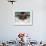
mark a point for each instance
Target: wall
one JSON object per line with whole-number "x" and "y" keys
{"x": 37, "y": 30}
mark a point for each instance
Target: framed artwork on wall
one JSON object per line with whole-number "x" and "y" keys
{"x": 23, "y": 18}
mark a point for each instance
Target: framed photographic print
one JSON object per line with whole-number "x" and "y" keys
{"x": 23, "y": 18}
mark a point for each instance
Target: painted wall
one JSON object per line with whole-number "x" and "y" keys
{"x": 37, "y": 30}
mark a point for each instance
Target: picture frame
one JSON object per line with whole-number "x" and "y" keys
{"x": 21, "y": 21}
